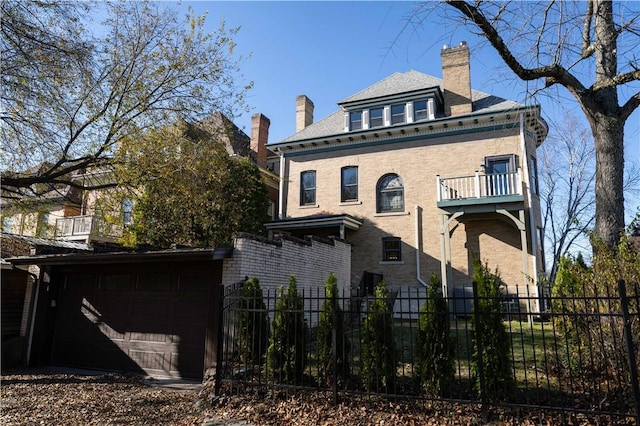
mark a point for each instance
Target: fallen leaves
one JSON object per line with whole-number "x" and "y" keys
{"x": 108, "y": 399}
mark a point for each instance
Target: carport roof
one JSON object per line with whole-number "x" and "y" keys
{"x": 182, "y": 254}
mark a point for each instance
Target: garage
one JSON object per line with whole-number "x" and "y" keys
{"x": 149, "y": 313}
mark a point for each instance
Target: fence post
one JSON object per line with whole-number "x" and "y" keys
{"x": 334, "y": 344}
{"x": 479, "y": 349}
{"x": 633, "y": 369}
{"x": 219, "y": 338}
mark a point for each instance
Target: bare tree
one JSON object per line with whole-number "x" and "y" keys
{"x": 70, "y": 97}
{"x": 590, "y": 49}
{"x": 567, "y": 178}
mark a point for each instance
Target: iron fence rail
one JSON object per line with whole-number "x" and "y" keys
{"x": 579, "y": 356}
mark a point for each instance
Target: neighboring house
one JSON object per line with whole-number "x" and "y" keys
{"x": 81, "y": 219}
{"x": 39, "y": 218}
{"x": 420, "y": 175}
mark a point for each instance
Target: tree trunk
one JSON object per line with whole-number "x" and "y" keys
{"x": 608, "y": 129}
{"x": 608, "y": 132}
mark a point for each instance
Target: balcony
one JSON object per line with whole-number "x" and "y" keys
{"x": 85, "y": 228}
{"x": 480, "y": 189}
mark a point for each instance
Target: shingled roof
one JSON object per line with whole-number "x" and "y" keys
{"x": 397, "y": 83}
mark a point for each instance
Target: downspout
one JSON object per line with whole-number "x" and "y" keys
{"x": 534, "y": 233}
{"x": 281, "y": 188}
{"x": 419, "y": 246}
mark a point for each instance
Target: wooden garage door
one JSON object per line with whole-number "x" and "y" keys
{"x": 146, "y": 322}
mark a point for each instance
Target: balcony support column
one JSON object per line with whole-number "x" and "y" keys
{"x": 445, "y": 249}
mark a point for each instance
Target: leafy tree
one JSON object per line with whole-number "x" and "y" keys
{"x": 71, "y": 97}
{"x": 330, "y": 318}
{"x": 188, "y": 191}
{"x": 253, "y": 324}
{"x": 560, "y": 44}
{"x": 495, "y": 348}
{"x": 434, "y": 347}
{"x": 287, "y": 352}
{"x": 379, "y": 354}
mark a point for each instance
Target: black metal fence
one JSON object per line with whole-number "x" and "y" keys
{"x": 581, "y": 355}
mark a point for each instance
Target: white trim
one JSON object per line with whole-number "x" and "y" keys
{"x": 392, "y": 214}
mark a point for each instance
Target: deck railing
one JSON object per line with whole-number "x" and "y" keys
{"x": 83, "y": 226}
{"x": 479, "y": 186}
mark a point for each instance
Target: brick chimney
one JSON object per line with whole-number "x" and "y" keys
{"x": 456, "y": 76}
{"x": 304, "y": 112}
{"x": 259, "y": 137}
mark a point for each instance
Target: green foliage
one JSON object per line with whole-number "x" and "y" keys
{"x": 487, "y": 323}
{"x": 582, "y": 298}
{"x": 190, "y": 192}
{"x": 71, "y": 97}
{"x": 253, "y": 322}
{"x": 378, "y": 351}
{"x": 434, "y": 347}
{"x": 286, "y": 355}
{"x": 332, "y": 316}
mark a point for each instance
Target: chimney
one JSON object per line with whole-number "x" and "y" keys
{"x": 456, "y": 76}
{"x": 259, "y": 137}
{"x": 304, "y": 112}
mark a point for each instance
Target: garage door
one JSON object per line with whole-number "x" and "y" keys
{"x": 150, "y": 322}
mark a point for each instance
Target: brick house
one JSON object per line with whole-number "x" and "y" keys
{"x": 71, "y": 215}
{"x": 420, "y": 174}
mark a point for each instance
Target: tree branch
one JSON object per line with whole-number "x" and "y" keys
{"x": 587, "y": 47}
{"x": 627, "y": 109}
{"x": 553, "y": 74}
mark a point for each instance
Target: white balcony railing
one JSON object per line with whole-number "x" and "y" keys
{"x": 83, "y": 226}
{"x": 479, "y": 186}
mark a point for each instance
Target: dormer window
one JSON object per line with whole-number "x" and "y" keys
{"x": 384, "y": 113}
{"x": 355, "y": 120}
{"x": 376, "y": 118}
{"x": 420, "y": 110}
{"x": 398, "y": 114}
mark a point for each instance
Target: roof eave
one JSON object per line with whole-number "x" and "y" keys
{"x": 125, "y": 257}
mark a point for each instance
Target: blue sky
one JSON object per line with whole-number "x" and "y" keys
{"x": 331, "y": 50}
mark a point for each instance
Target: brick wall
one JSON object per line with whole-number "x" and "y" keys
{"x": 273, "y": 261}
{"x": 417, "y": 162}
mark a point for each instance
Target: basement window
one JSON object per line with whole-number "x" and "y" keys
{"x": 391, "y": 249}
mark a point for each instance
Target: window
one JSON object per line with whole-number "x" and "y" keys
{"x": 390, "y": 194}
{"x": 308, "y": 188}
{"x": 420, "y": 111}
{"x": 127, "y": 211}
{"x": 7, "y": 224}
{"x": 391, "y": 249}
{"x": 397, "y": 114}
{"x": 376, "y": 117}
{"x": 355, "y": 120}
{"x": 349, "y": 186}
{"x": 42, "y": 227}
{"x": 533, "y": 170}
{"x": 500, "y": 175}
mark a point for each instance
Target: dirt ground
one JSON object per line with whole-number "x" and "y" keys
{"x": 44, "y": 398}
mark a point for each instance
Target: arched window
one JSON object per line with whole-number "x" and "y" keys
{"x": 390, "y": 194}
